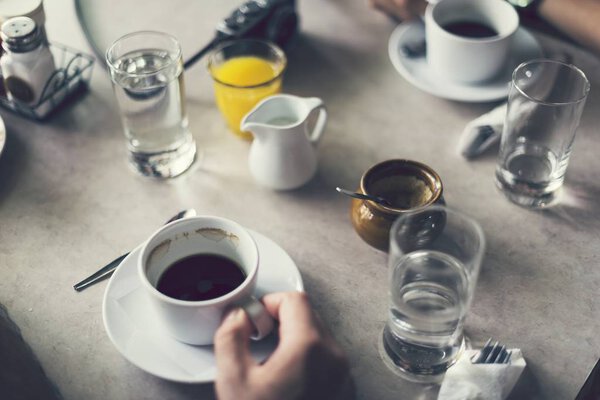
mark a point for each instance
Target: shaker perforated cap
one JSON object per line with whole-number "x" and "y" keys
{"x": 33, "y": 9}
{"x": 20, "y": 35}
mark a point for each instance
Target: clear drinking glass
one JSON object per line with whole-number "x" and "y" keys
{"x": 146, "y": 69}
{"x": 434, "y": 260}
{"x": 544, "y": 108}
{"x": 245, "y": 72}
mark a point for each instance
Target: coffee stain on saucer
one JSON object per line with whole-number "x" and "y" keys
{"x": 216, "y": 235}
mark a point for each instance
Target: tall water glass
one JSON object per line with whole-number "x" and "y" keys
{"x": 544, "y": 108}
{"x": 434, "y": 260}
{"x": 146, "y": 69}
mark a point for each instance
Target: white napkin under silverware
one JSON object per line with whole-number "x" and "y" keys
{"x": 468, "y": 381}
{"x": 483, "y": 132}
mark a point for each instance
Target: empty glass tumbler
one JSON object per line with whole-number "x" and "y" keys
{"x": 146, "y": 69}
{"x": 544, "y": 108}
{"x": 434, "y": 260}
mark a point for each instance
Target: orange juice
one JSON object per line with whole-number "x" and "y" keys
{"x": 240, "y": 83}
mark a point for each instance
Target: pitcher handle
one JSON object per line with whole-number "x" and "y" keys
{"x": 317, "y": 131}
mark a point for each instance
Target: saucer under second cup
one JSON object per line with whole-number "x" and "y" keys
{"x": 417, "y": 72}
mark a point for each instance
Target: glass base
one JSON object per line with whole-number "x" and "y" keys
{"x": 417, "y": 363}
{"x": 167, "y": 164}
{"x": 529, "y": 199}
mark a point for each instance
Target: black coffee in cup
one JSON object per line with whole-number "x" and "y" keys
{"x": 201, "y": 277}
{"x": 470, "y": 29}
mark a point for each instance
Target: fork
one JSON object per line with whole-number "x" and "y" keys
{"x": 492, "y": 354}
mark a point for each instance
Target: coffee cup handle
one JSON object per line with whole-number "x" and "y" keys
{"x": 259, "y": 316}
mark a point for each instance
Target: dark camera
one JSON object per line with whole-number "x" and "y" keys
{"x": 274, "y": 20}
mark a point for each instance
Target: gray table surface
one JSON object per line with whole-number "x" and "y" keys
{"x": 69, "y": 203}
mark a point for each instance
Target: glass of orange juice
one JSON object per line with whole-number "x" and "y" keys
{"x": 245, "y": 72}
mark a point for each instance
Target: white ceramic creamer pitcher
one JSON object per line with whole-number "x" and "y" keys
{"x": 283, "y": 154}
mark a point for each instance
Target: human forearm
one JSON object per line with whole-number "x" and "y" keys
{"x": 579, "y": 19}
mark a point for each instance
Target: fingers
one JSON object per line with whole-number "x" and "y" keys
{"x": 387, "y": 7}
{"x": 231, "y": 347}
{"x": 300, "y": 331}
{"x": 294, "y": 312}
{"x": 306, "y": 351}
{"x": 404, "y": 10}
{"x": 418, "y": 7}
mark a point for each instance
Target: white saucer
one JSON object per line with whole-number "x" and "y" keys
{"x": 417, "y": 71}
{"x": 130, "y": 323}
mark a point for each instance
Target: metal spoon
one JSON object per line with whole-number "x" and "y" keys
{"x": 362, "y": 196}
{"x": 107, "y": 270}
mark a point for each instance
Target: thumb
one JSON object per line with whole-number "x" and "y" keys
{"x": 231, "y": 347}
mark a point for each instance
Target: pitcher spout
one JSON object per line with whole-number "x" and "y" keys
{"x": 258, "y": 130}
{"x": 264, "y": 116}
{"x": 282, "y": 112}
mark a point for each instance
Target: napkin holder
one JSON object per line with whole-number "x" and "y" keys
{"x": 72, "y": 76}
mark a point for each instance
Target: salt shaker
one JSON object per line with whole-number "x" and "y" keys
{"x": 27, "y": 63}
{"x": 33, "y": 9}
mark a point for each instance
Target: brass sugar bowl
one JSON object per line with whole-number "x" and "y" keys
{"x": 405, "y": 184}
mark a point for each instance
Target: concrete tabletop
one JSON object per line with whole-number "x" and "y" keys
{"x": 69, "y": 204}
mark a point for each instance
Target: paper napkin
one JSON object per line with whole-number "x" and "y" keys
{"x": 481, "y": 133}
{"x": 467, "y": 381}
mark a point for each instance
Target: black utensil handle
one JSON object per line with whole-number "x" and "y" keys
{"x": 192, "y": 60}
{"x": 591, "y": 388}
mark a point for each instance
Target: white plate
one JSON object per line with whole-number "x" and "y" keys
{"x": 2, "y": 135}
{"x": 130, "y": 323}
{"x": 417, "y": 71}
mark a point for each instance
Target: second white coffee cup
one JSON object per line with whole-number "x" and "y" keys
{"x": 464, "y": 58}
{"x": 195, "y": 322}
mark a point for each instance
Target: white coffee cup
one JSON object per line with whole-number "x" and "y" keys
{"x": 195, "y": 322}
{"x": 467, "y": 59}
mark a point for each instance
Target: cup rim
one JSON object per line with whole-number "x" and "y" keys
{"x": 549, "y": 61}
{"x": 418, "y": 165}
{"x": 273, "y": 46}
{"x": 515, "y": 25}
{"x": 177, "y": 56}
{"x": 217, "y": 300}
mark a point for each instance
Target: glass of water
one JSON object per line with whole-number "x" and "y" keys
{"x": 434, "y": 260}
{"x": 544, "y": 108}
{"x": 146, "y": 69}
